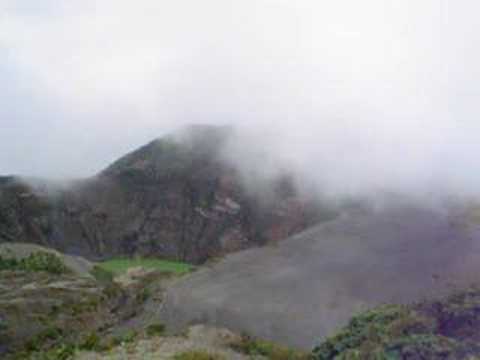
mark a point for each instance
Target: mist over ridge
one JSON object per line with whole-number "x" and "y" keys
{"x": 225, "y": 179}
{"x": 353, "y": 98}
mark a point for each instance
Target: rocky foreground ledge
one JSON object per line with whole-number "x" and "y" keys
{"x": 50, "y": 312}
{"x": 57, "y": 307}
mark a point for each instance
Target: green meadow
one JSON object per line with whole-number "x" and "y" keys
{"x": 120, "y": 266}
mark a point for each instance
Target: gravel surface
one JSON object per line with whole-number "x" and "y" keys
{"x": 310, "y": 285}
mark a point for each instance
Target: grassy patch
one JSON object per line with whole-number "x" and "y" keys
{"x": 255, "y": 347}
{"x": 120, "y": 266}
{"x": 101, "y": 275}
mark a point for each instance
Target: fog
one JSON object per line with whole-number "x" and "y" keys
{"x": 355, "y": 96}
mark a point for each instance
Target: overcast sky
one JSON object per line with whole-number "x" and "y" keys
{"x": 380, "y": 91}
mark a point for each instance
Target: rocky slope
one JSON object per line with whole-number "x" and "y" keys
{"x": 174, "y": 198}
{"x": 51, "y": 307}
{"x": 441, "y": 329}
{"x": 49, "y": 310}
{"x": 64, "y": 315}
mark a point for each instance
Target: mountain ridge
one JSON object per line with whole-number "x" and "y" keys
{"x": 174, "y": 197}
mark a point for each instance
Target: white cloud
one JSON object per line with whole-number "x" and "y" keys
{"x": 381, "y": 93}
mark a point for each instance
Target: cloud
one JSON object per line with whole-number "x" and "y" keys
{"x": 354, "y": 95}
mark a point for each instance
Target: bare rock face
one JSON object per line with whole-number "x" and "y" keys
{"x": 173, "y": 198}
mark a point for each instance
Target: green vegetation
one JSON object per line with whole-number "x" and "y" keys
{"x": 63, "y": 349}
{"x": 3, "y": 325}
{"x": 199, "y": 355}
{"x": 8, "y": 263}
{"x": 126, "y": 338}
{"x": 443, "y": 329}
{"x": 120, "y": 266}
{"x": 111, "y": 290}
{"x": 101, "y": 275}
{"x": 51, "y": 334}
{"x": 37, "y": 261}
{"x": 254, "y": 347}
{"x": 143, "y": 295}
{"x": 91, "y": 342}
{"x": 155, "y": 330}
{"x": 61, "y": 352}
{"x": 367, "y": 328}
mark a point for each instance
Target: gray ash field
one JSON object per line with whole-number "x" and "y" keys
{"x": 309, "y": 286}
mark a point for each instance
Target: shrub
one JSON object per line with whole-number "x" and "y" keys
{"x": 155, "y": 329}
{"x": 61, "y": 352}
{"x": 383, "y": 333}
{"x": 111, "y": 290}
{"x": 37, "y": 261}
{"x": 3, "y": 325}
{"x": 130, "y": 336}
{"x": 43, "y": 261}
{"x": 368, "y": 326}
{"x": 91, "y": 342}
{"x": 126, "y": 338}
{"x": 50, "y": 334}
{"x": 8, "y": 264}
{"x": 143, "y": 296}
{"x": 256, "y": 347}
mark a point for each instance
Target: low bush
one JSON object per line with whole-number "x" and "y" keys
{"x": 3, "y": 325}
{"x": 8, "y": 263}
{"x": 37, "y": 261}
{"x": 91, "y": 342}
{"x": 255, "y": 347}
{"x": 387, "y": 332}
{"x": 155, "y": 330}
{"x": 143, "y": 295}
{"x": 61, "y": 352}
{"x": 126, "y": 338}
{"x": 43, "y": 261}
{"x": 49, "y": 335}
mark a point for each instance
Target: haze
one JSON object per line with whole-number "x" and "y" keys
{"x": 354, "y": 95}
